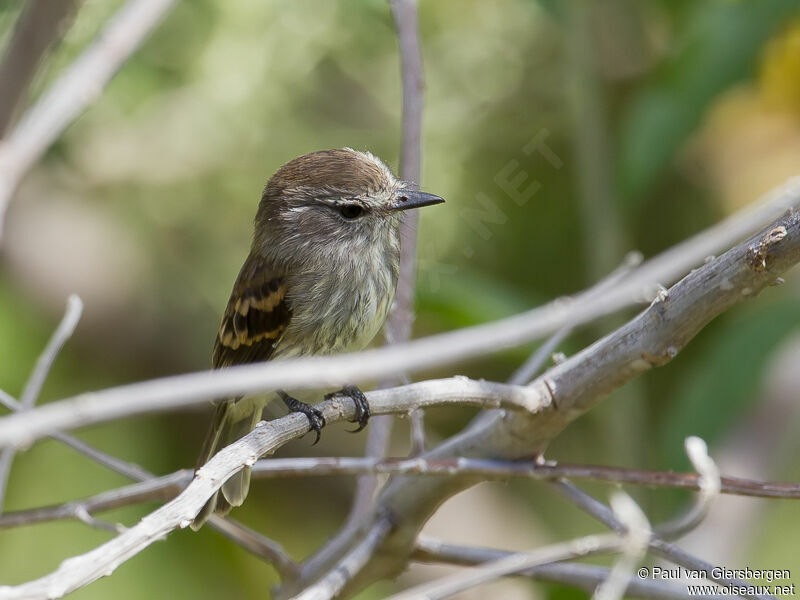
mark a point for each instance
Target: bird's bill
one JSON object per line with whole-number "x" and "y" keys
{"x": 407, "y": 199}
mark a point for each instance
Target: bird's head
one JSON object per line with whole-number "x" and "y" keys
{"x": 333, "y": 202}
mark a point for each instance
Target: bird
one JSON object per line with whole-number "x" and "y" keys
{"x": 319, "y": 279}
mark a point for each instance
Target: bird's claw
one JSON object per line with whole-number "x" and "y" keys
{"x": 316, "y": 419}
{"x": 360, "y": 400}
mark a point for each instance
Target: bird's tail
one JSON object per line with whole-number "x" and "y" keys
{"x": 231, "y": 421}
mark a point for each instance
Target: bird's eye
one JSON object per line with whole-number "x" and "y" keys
{"x": 351, "y": 211}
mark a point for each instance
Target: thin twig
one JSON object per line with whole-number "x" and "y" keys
{"x": 398, "y": 326}
{"x": 335, "y": 580}
{"x": 34, "y": 385}
{"x": 710, "y": 486}
{"x": 124, "y": 468}
{"x": 635, "y": 540}
{"x": 665, "y": 549}
{"x": 509, "y": 565}
{"x": 76, "y": 89}
{"x": 586, "y": 577}
{"x": 45, "y": 362}
{"x": 167, "y": 487}
{"x": 536, "y": 361}
{"x": 259, "y": 545}
{"x": 160, "y": 489}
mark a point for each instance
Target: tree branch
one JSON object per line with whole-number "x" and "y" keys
{"x": 76, "y": 89}
{"x": 266, "y": 438}
{"x": 167, "y": 487}
{"x": 576, "y": 385}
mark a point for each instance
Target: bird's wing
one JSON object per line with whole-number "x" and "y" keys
{"x": 256, "y": 317}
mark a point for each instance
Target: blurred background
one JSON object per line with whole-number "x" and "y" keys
{"x": 563, "y": 134}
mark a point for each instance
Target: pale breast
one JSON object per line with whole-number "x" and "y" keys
{"x": 340, "y": 310}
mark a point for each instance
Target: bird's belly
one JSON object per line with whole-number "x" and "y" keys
{"x": 340, "y": 319}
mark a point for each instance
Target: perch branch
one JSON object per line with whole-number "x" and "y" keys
{"x": 268, "y": 436}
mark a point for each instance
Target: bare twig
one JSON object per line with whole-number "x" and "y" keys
{"x": 710, "y": 486}
{"x": 84, "y": 517}
{"x": 57, "y": 340}
{"x": 40, "y": 27}
{"x": 536, "y": 361}
{"x": 635, "y": 540}
{"x": 161, "y": 489}
{"x": 34, "y": 385}
{"x": 125, "y": 468}
{"x": 509, "y": 565}
{"x": 586, "y": 577}
{"x": 334, "y": 581}
{"x": 665, "y": 549}
{"x": 167, "y": 487}
{"x": 76, "y": 89}
{"x": 256, "y": 543}
{"x": 398, "y": 326}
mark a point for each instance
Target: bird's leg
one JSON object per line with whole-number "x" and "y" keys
{"x": 360, "y": 400}
{"x": 315, "y": 418}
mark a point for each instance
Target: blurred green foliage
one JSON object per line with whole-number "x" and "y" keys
{"x": 145, "y": 205}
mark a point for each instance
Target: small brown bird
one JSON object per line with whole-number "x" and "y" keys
{"x": 319, "y": 279}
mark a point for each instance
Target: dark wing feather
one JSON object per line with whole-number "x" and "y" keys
{"x": 256, "y": 317}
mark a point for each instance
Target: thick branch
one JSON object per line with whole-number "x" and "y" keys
{"x": 651, "y": 339}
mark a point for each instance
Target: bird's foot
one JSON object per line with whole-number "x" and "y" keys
{"x": 315, "y": 418}
{"x": 360, "y": 400}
